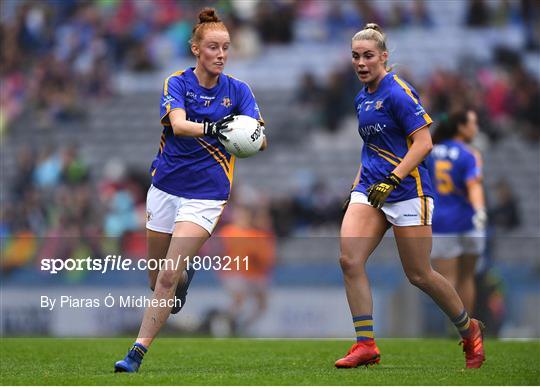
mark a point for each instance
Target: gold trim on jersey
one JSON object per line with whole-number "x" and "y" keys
{"x": 429, "y": 121}
{"x": 406, "y": 88}
{"x": 377, "y": 149}
{"x": 228, "y": 166}
{"x": 387, "y": 154}
{"x": 169, "y": 110}
{"x": 165, "y": 92}
{"x": 162, "y": 143}
{"x": 415, "y": 173}
{"x": 261, "y": 120}
{"x": 166, "y": 83}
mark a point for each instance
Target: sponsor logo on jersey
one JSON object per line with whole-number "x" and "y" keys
{"x": 368, "y": 105}
{"x": 167, "y": 100}
{"x": 419, "y": 111}
{"x": 366, "y": 130}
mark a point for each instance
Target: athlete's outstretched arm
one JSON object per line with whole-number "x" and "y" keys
{"x": 475, "y": 193}
{"x": 475, "y": 189}
{"x": 182, "y": 127}
{"x": 419, "y": 149}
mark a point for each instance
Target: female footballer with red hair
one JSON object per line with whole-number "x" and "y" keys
{"x": 191, "y": 174}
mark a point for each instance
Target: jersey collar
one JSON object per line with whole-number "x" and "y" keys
{"x": 382, "y": 85}
{"x": 191, "y": 73}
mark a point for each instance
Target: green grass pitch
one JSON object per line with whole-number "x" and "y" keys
{"x": 32, "y": 361}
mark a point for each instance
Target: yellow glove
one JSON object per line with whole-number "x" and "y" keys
{"x": 379, "y": 192}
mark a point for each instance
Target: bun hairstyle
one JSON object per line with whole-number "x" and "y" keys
{"x": 208, "y": 19}
{"x": 372, "y": 31}
{"x": 208, "y": 15}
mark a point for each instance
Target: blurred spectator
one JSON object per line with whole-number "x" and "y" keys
{"x": 74, "y": 170}
{"x": 48, "y": 169}
{"x": 504, "y": 214}
{"x": 507, "y": 12}
{"x": 123, "y": 197}
{"x": 342, "y": 21}
{"x": 420, "y": 15}
{"x": 478, "y": 14}
{"x": 334, "y": 103}
{"x": 530, "y": 9}
{"x": 274, "y": 21}
{"x": 368, "y": 12}
{"x": 309, "y": 97}
{"x": 399, "y": 15}
{"x": 25, "y": 166}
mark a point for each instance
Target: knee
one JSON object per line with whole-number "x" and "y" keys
{"x": 349, "y": 264}
{"x": 167, "y": 279}
{"x": 420, "y": 279}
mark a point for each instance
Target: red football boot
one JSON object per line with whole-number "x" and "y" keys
{"x": 361, "y": 353}
{"x": 473, "y": 346}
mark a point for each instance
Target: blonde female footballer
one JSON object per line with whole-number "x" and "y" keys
{"x": 392, "y": 189}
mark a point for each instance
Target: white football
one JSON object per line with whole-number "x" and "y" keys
{"x": 244, "y": 136}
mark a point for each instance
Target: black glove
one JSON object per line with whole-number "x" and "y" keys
{"x": 214, "y": 129}
{"x": 379, "y": 192}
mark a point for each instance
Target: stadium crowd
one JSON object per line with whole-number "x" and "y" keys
{"x": 56, "y": 55}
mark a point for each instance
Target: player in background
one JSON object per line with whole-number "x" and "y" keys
{"x": 192, "y": 173}
{"x": 392, "y": 189}
{"x": 249, "y": 235}
{"x": 459, "y": 218}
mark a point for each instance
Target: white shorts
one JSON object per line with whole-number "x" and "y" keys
{"x": 412, "y": 212}
{"x": 447, "y": 246}
{"x": 163, "y": 210}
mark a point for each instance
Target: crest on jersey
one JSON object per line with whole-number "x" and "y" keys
{"x": 378, "y": 104}
{"x": 226, "y": 102}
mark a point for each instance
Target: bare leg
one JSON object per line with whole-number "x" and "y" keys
{"x": 361, "y": 231}
{"x": 186, "y": 241}
{"x": 261, "y": 303}
{"x": 465, "y": 285}
{"x": 414, "y": 246}
{"x": 157, "y": 245}
{"x": 447, "y": 267}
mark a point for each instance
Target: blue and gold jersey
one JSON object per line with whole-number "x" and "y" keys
{"x": 386, "y": 120}
{"x": 454, "y": 163}
{"x": 198, "y": 167}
